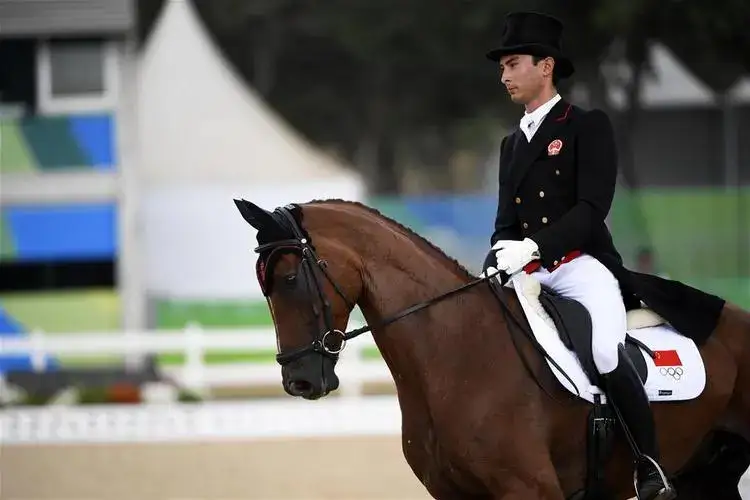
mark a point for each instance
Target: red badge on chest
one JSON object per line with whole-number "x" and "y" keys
{"x": 554, "y": 147}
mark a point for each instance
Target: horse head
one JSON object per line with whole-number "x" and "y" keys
{"x": 310, "y": 303}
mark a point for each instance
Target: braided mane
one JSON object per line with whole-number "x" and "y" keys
{"x": 463, "y": 270}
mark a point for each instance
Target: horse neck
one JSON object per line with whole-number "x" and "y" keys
{"x": 400, "y": 270}
{"x": 396, "y": 277}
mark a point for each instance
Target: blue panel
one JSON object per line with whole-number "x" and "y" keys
{"x": 63, "y": 232}
{"x": 21, "y": 363}
{"x": 461, "y": 225}
{"x": 470, "y": 216}
{"x": 476, "y": 216}
{"x": 431, "y": 211}
{"x": 8, "y": 325}
{"x": 94, "y": 135}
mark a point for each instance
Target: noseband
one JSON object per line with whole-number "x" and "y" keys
{"x": 314, "y": 267}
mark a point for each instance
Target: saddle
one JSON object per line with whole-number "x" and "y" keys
{"x": 572, "y": 321}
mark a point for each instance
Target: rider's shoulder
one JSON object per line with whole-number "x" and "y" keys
{"x": 594, "y": 117}
{"x": 509, "y": 135}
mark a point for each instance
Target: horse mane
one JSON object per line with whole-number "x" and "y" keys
{"x": 410, "y": 232}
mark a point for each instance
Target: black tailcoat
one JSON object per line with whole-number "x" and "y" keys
{"x": 558, "y": 189}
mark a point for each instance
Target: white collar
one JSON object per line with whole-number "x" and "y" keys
{"x": 538, "y": 114}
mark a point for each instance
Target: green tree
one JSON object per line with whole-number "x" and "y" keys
{"x": 401, "y": 83}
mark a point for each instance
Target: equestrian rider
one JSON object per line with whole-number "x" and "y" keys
{"x": 556, "y": 183}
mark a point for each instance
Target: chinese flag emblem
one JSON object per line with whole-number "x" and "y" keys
{"x": 667, "y": 358}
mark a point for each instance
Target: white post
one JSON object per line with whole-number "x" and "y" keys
{"x": 134, "y": 348}
{"x": 38, "y": 356}
{"x": 194, "y": 368}
{"x": 358, "y": 367}
{"x": 129, "y": 262}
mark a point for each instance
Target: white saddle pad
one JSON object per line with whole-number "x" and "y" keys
{"x": 677, "y": 373}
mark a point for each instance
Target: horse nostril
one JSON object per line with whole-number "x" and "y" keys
{"x": 299, "y": 387}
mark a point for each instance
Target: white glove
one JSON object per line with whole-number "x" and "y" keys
{"x": 512, "y": 256}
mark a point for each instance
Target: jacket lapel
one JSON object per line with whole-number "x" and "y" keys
{"x": 526, "y": 152}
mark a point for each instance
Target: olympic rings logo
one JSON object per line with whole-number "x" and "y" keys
{"x": 675, "y": 373}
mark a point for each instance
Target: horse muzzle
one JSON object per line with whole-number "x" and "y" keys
{"x": 306, "y": 379}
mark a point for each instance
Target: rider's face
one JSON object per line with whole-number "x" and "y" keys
{"x": 523, "y": 79}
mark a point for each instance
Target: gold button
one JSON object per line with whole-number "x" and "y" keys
{"x": 562, "y": 259}
{"x": 557, "y": 172}
{"x": 525, "y": 225}
{"x": 544, "y": 220}
{"x": 541, "y": 194}
{"x": 518, "y": 200}
{"x": 556, "y": 263}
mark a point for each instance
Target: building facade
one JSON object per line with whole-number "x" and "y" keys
{"x": 65, "y": 138}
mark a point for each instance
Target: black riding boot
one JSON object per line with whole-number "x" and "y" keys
{"x": 625, "y": 390}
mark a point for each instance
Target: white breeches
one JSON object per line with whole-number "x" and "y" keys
{"x": 586, "y": 280}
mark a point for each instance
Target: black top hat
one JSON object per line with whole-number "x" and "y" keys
{"x": 534, "y": 34}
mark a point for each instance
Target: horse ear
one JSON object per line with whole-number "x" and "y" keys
{"x": 254, "y": 215}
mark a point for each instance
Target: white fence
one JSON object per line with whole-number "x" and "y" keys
{"x": 193, "y": 342}
{"x": 212, "y": 421}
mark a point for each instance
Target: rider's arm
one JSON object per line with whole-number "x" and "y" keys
{"x": 507, "y": 226}
{"x": 597, "y": 174}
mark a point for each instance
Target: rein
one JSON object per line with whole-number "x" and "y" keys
{"x": 314, "y": 266}
{"x": 418, "y": 307}
{"x": 312, "y": 263}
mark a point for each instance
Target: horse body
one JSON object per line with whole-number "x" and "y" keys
{"x": 445, "y": 423}
{"x": 474, "y": 421}
{"x": 453, "y": 387}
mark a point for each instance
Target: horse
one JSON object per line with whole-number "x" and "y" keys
{"x": 484, "y": 416}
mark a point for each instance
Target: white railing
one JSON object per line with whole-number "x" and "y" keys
{"x": 194, "y": 342}
{"x": 212, "y": 421}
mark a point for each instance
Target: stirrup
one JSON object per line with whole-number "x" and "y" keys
{"x": 665, "y": 493}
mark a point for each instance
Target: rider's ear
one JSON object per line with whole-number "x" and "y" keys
{"x": 254, "y": 215}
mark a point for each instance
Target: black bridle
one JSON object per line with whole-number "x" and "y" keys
{"x": 313, "y": 267}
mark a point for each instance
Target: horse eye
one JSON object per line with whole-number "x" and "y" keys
{"x": 290, "y": 279}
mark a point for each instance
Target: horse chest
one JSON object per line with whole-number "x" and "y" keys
{"x": 422, "y": 452}
{"x": 430, "y": 462}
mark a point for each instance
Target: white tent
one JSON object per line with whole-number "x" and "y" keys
{"x": 740, "y": 91}
{"x": 205, "y": 138}
{"x": 198, "y": 120}
{"x": 669, "y": 84}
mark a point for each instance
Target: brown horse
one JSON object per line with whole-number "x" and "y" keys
{"x": 482, "y": 415}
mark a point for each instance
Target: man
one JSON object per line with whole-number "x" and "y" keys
{"x": 557, "y": 180}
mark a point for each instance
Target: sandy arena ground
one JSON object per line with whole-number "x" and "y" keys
{"x": 331, "y": 468}
{"x": 312, "y": 469}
